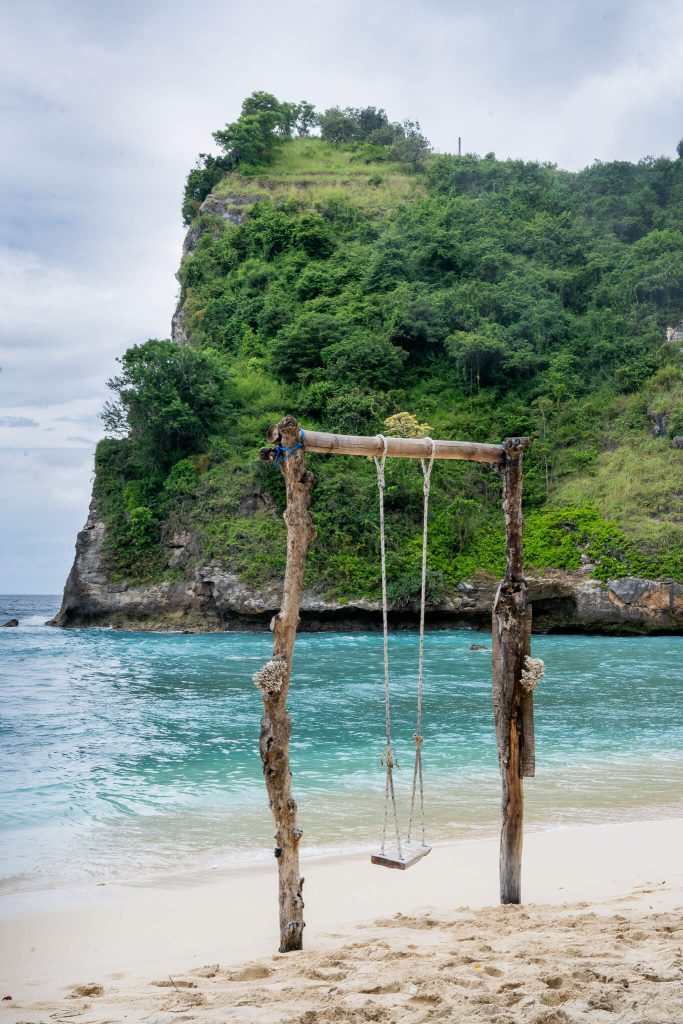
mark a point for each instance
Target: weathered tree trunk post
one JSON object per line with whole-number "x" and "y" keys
{"x": 273, "y": 679}
{"x": 511, "y": 630}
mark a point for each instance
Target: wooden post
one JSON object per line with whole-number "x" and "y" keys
{"x": 527, "y": 711}
{"x": 510, "y": 647}
{"x": 273, "y": 679}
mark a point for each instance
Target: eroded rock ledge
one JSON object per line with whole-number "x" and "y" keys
{"x": 213, "y": 599}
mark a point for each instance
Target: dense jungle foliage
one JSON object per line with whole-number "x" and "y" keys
{"x": 371, "y": 286}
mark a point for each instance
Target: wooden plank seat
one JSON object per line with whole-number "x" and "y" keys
{"x": 411, "y": 853}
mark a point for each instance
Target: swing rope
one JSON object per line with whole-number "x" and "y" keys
{"x": 417, "y": 768}
{"x": 388, "y": 757}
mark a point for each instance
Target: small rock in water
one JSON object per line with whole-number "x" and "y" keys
{"x": 478, "y": 647}
{"x": 11, "y": 622}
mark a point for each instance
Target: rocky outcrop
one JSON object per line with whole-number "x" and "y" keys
{"x": 214, "y": 213}
{"x": 232, "y": 209}
{"x": 178, "y": 332}
{"x": 659, "y": 422}
{"x": 11, "y": 623}
{"x": 211, "y": 598}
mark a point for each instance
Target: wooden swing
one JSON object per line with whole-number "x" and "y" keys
{"x": 406, "y": 852}
{"x": 511, "y": 636}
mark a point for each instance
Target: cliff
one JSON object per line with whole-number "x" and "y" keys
{"x": 212, "y": 599}
{"x": 475, "y": 298}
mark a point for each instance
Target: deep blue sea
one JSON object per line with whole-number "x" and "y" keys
{"x": 135, "y": 755}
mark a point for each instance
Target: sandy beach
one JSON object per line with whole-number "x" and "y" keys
{"x": 600, "y": 933}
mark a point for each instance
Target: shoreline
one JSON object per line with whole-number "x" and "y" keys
{"x": 135, "y": 931}
{"x": 259, "y": 860}
{"x": 400, "y": 621}
{"x": 406, "y": 624}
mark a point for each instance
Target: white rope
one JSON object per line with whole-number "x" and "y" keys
{"x": 417, "y": 769}
{"x": 388, "y": 756}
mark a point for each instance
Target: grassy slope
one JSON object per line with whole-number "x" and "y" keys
{"x": 312, "y": 170}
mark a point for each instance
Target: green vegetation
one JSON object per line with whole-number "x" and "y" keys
{"x": 257, "y": 137}
{"x": 469, "y": 297}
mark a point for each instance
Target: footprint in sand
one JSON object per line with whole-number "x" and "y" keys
{"x": 325, "y": 974}
{"x": 385, "y": 989}
{"x": 190, "y": 999}
{"x": 208, "y": 971}
{"x": 426, "y": 998}
{"x": 602, "y": 1001}
{"x": 512, "y": 998}
{"x": 555, "y": 998}
{"x": 89, "y": 991}
{"x": 253, "y": 972}
{"x": 552, "y": 1017}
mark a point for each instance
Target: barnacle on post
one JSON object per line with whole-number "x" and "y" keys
{"x": 532, "y": 673}
{"x": 272, "y": 676}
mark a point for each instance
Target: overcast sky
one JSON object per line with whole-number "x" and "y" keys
{"x": 105, "y": 105}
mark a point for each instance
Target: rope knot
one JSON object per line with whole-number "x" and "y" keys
{"x": 419, "y": 739}
{"x": 388, "y": 758}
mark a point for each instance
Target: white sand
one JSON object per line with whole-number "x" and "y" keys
{"x": 125, "y": 938}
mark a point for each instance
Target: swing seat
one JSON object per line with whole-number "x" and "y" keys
{"x": 411, "y": 853}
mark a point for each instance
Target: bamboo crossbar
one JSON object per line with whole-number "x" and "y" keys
{"x": 400, "y": 447}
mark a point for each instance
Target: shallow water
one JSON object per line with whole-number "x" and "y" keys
{"x": 129, "y": 755}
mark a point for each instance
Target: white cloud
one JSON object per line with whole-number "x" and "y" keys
{"x": 40, "y": 515}
{"x": 52, "y": 426}
{"x": 12, "y": 422}
{"x": 105, "y": 107}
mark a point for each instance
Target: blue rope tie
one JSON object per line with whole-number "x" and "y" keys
{"x": 282, "y": 453}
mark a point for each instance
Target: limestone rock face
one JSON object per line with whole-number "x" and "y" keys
{"x": 233, "y": 210}
{"x": 659, "y": 421}
{"x": 178, "y": 332}
{"x": 571, "y": 603}
{"x": 211, "y": 598}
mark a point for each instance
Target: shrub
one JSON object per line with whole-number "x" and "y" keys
{"x": 169, "y": 398}
{"x": 363, "y": 360}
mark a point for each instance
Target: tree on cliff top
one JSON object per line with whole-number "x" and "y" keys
{"x": 262, "y": 127}
{"x": 253, "y": 138}
{"x": 358, "y": 124}
{"x": 411, "y": 147}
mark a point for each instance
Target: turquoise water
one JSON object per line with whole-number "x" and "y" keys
{"x": 129, "y": 755}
